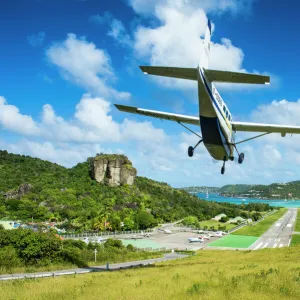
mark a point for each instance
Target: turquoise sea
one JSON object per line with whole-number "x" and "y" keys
{"x": 218, "y": 198}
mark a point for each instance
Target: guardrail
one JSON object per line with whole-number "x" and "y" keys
{"x": 100, "y": 233}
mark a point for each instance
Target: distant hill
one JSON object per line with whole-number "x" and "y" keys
{"x": 31, "y": 187}
{"x": 201, "y": 189}
{"x": 289, "y": 190}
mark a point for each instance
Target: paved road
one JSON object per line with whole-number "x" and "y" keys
{"x": 112, "y": 267}
{"x": 280, "y": 234}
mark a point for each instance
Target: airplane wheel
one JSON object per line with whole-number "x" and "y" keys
{"x": 222, "y": 170}
{"x": 190, "y": 151}
{"x": 241, "y": 158}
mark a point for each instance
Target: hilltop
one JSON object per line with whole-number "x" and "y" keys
{"x": 72, "y": 198}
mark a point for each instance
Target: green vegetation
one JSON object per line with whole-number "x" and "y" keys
{"x": 71, "y": 197}
{"x": 295, "y": 240}
{"x": 261, "y": 227}
{"x": 24, "y": 249}
{"x": 297, "y": 225}
{"x": 234, "y": 241}
{"x": 209, "y": 275}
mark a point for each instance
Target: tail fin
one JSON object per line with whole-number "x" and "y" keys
{"x": 206, "y": 49}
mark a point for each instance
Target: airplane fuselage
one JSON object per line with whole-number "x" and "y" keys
{"x": 215, "y": 119}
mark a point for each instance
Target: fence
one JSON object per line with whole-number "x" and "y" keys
{"x": 96, "y": 234}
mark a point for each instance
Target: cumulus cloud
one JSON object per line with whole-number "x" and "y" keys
{"x": 92, "y": 123}
{"x": 86, "y": 65}
{"x": 149, "y": 7}
{"x": 36, "y": 40}
{"x": 12, "y": 120}
{"x": 177, "y": 38}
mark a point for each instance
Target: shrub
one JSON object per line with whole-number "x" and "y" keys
{"x": 9, "y": 258}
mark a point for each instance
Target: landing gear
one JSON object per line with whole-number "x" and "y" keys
{"x": 191, "y": 149}
{"x": 241, "y": 158}
{"x": 241, "y": 155}
{"x": 223, "y": 167}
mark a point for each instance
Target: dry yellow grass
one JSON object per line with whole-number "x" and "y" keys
{"x": 264, "y": 274}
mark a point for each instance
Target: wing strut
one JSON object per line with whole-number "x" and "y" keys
{"x": 189, "y": 129}
{"x": 257, "y": 136}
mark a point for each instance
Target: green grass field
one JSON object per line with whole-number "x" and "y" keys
{"x": 295, "y": 240}
{"x": 234, "y": 241}
{"x": 261, "y": 227}
{"x": 209, "y": 275}
{"x": 210, "y": 223}
{"x": 297, "y": 226}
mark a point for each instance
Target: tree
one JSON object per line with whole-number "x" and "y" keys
{"x": 144, "y": 220}
{"x": 190, "y": 220}
{"x": 224, "y": 219}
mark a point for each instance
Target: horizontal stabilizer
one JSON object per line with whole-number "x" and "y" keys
{"x": 259, "y": 127}
{"x": 182, "y": 73}
{"x": 235, "y": 77}
{"x": 159, "y": 114}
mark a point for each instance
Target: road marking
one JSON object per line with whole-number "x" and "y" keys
{"x": 280, "y": 245}
{"x": 269, "y": 240}
{"x": 265, "y": 245}
{"x": 258, "y": 246}
{"x": 278, "y": 224}
{"x": 289, "y": 225}
{"x": 274, "y": 245}
{"x": 289, "y": 241}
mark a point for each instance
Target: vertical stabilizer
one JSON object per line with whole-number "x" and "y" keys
{"x": 206, "y": 48}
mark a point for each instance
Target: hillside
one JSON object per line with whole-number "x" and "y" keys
{"x": 209, "y": 275}
{"x": 71, "y": 196}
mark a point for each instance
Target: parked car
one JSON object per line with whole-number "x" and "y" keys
{"x": 195, "y": 239}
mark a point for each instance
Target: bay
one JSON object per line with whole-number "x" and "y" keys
{"x": 219, "y": 198}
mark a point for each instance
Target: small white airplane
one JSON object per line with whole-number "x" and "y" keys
{"x": 215, "y": 121}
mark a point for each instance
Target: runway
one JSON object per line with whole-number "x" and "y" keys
{"x": 280, "y": 234}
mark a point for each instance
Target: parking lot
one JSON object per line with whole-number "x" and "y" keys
{"x": 176, "y": 239}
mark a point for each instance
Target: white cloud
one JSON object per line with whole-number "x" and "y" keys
{"x": 36, "y": 40}
{"x": 148, "y": 7}
{"x": 176, "y": 39}
{"x": 92, "y": 123}
{"x": 86, "y": 65}
{"x": 118, "y": 32}
{"x": 12, "y": 120}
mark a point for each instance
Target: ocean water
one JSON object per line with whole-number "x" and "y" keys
{"x": 218, "y": 198}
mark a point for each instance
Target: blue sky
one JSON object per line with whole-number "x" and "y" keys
{"x": 64, "y": 63}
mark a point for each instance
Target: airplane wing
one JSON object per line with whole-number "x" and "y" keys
{"x": 159, "y": 114}
{"x": 182, "y": 73}
{"x": 259, "y": 127}
{"x": 235, "y": 77}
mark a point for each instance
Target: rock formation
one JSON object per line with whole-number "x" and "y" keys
{"x": 18, "y": 194}
{"x": 112, "y": 170}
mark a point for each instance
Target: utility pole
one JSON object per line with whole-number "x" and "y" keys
{"x": 95, "y": 254}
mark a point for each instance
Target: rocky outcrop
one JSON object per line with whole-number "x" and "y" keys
{"x": 112, "y": 170}
{"x": 18, "y": 194}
